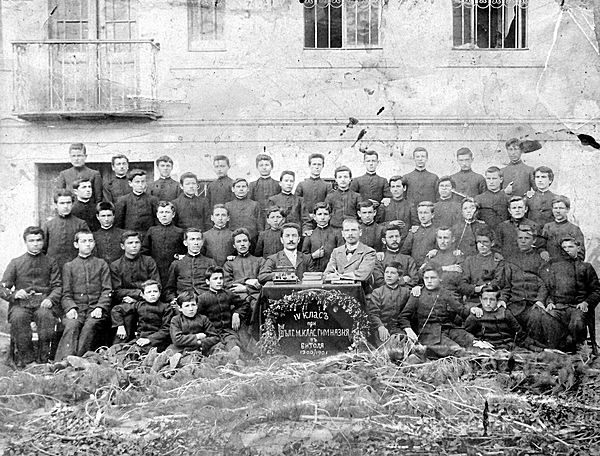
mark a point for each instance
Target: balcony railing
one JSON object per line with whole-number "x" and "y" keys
{"x": 97, "y": 78}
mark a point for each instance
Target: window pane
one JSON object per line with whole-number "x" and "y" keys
{"x": 490, "y": 24}
{"x": 205, "y": 20}
{"x": 309, "y": 23}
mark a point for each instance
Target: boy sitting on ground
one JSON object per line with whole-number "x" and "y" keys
{"x": 225, "y": 310}
{"x": 190, "y": 330}
{"x": 386, "y": 303}
{"x": 434, "y": 313}
{"x": 497, "y": 328}
{"x": 153, "y": 319}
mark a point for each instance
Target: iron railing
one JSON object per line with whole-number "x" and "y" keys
{"x": 85, "y": 78}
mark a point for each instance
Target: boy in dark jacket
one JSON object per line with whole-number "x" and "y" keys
{"x": 269, "y": 240}
{"x": 321, "y": 241}
{"x": 153, "y": 319}
{"x": 225, "y": 310}
{"x": 86, "y": 300}
{"x": 190, "y": 330}
{"x": 164, "y": 241}
{"x": 108, "y": 236}
{"x": 386, "y": 303}
{"x": 497, "y": 328}
{"x": 136, "y": 210}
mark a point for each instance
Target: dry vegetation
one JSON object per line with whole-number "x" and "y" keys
{"x": 354, "y": 404}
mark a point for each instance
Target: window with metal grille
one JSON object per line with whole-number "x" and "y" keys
{"x": 490, "y": 24}
{"x": 205, "y": 23}
{"x": 330, "y": 24}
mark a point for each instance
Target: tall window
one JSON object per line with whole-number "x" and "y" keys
{"x": 341, "y": 23}
{"x": 490, "y": 24}
{"x": 205, "y": 23}
{"x": 92, "y": 19}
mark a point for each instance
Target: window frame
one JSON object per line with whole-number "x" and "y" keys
{"x": 207, "y": 44}
{"x": 471, "y": 45}
{"x": 344, "y": 27}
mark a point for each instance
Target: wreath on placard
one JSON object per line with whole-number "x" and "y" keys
{"x": 334, "y": 299}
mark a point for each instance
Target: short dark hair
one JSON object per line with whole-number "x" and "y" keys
{"x": 78, "y": 182}
{"x": 562, "y": 199}
{"x": 469, "y": 199}
{"x": 569, "y": 238}
{"x": 443, "y": 228}
{"x": 238, "y": 180}
{"x": 494, "y": 170}
{"x": 187, "y": 175}
{"x": 33, "y": 230}
{"x": 186, "y": 296}
{"x": 370, "y": 152}
{"x": 420, "y": 149}
{"x": 545, "y": 170}
{"x": 78, "y": 146}
{"x": 105, "y": 206}
{"x": 63, "y": 192}
{"x": 239, "y": 231}
{"x": 341, "y": 169}
{"x": 286, "y": 172}
{"x": 166, "y": 204}
{"x": 517, "y": 198}
{"x": 464, "y": 151}
{"x": 512, "y": 142}
{"x": 79, "y": 233}
{"x": 428, "y": 204}
{"x": 213, "y": 270}
{"x": 396, "y": 178}
{"x": 447, "y": 179}
{"x": 221, "y": 158}
{"x": 485, "y": 231}
{"x": 313, "y": 156}
{"x": 391, "y": 228}
{"x": 322, "y": 205}
{"x": 264, "y": 157}
{"x": 272, "y": 209}
{"x": 394, "y": 264}
{"x": 431, "y": 266}
{"x": 150, "y": 282}
{"x": 290, "y": 225}
{"x": 164, "y": 158}
{"x": 129, "y": 233}
{"x": 118, "y": 157}
{"x": 490, "y": 289}
{"x": 365, "y": 203}
{"x": 219, "y": 206}
{"x": 135, "y": 173}
{"x": 192, "y": 229}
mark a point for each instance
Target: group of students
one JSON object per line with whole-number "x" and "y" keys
{"x": 458, "y": 263}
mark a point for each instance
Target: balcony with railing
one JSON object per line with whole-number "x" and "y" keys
{"x": 85, "y": 79}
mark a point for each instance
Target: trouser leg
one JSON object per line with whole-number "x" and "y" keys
{"x": 69, "y": 340}
{"x": 45, "y": 321}
{"x": 20, "y": 319}
{"x": 92, "y": 334}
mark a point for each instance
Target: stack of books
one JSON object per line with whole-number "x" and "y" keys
{"x": 312, "y": 278}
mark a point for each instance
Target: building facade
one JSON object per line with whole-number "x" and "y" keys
{"x": 193, "y": 79}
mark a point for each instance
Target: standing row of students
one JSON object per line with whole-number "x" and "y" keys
{"x": 412, "y": 221}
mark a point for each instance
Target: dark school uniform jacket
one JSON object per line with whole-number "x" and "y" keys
{"x": 59, "y": 235}
{"x": 401, "y": 209}
{"x": 313, "y": 191}
{"x": 269, "y": 243}
{"x": 464, "y": 236}
{"x": 344, "y": 204}
{"x": 219, "y": 191}
{"x": 481, "y": 270}
{"x": 187, "y": 274}
{"x": 409, "y": 268}
{"x": 219, "y": 307}
{"x": 385, "y": 305}
{"x": 165, "y": 189}
{"x": 128, "y": 274}
{"x": 86, "y": 285}
{"x": 371, "y": 187}
{"x": 447, "y": 212}
{"x": 218, "y": 244}
{"x": 540, "y": 207}
{"x": 183, "y": 332}
{"x": 493, "y": 207}
{"x": 86, "y": 211}
{"x": 162, "y": 243}
{"x": 153, "y": 320}
{"x": 136, "y": 212}
{"x": 571, "y": 282}
{"x": 372, "y": 234}
{"x": 108, "y": 243}
{"x": 419, "y": 243}
{"x": 115, "y": 187}
{"x": 421, "y": 185}
{"x": 68, "y": 176}
{"x": 32, "y": 273}
{"x": 192, "y": 212}
{"x": 329, "y": 238}
{"x": 522, "y": 176}
{"x": 262, "y": 189}
{"x": 245, "y": 213}
{"x": 292, "y": 205}
{"x": 469, "y": 183}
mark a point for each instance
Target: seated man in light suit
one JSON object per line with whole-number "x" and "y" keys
{"x": 353, "y": 260}
{"x": 288, "y": 258}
